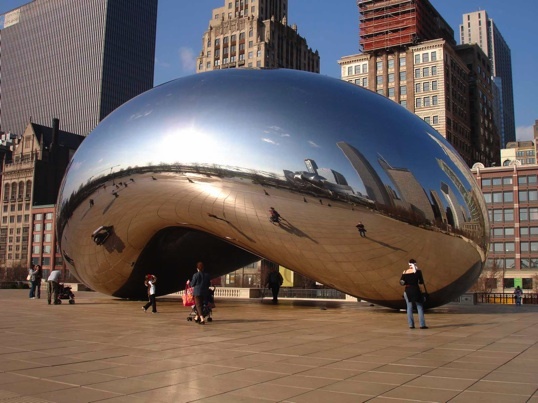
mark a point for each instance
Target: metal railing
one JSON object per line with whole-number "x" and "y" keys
{"x": 505, "y": 298}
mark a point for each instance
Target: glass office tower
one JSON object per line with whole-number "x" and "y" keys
{"x": 74, "y": 60}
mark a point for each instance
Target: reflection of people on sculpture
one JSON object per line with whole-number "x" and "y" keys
{"x": 274, "y": 281}
{"x": 361, "y": 228}
{"x": 411, "y": 279}
{"x": 274, "y": 215}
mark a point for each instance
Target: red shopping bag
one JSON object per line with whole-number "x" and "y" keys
{"x": 188, "y": 298}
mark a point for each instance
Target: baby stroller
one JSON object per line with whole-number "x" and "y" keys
{"x": 64, "y": 292}
{"x": 207, "y": 307}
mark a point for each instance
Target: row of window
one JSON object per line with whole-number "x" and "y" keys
{"x": 426, "y": 72}
{"x": 507, "y": 247}
{"x": 525, "y": 214}
{"x": 425, "y": 57}
{"x": 509, "y": 232}
{"x": 508, "y": 197}
{"x": 509, "y": 263}
{"x": 507, "y": 180}
{"x": 19, "y": 219}
{"x": 426, "y": 101}
{"x": 526, "y": 283}
{"x": 39, "y": 216}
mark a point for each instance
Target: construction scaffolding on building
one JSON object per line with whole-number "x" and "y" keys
{"x": 385, "y": 24}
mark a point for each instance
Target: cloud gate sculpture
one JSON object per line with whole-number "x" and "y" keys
{"x": 188, "y": 171}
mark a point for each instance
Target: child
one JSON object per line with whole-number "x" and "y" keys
{"x": 150, "y": 281}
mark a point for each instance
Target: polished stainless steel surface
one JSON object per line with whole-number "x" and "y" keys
{"x": 188, "y": 171}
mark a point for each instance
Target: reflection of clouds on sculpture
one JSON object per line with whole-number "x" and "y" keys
{"x": 194, "y": 179}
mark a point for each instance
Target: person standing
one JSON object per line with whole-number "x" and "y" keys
{"x": 150, "y": 284}
{"x": 518, "y": 294}
{"x": 362, "y": 229}
{"x": 411, "y": 279}
{"x": 274, "y": 281}
{"x": 200, "y": 284}
{"x": 38, "y": 278}
{"x": 53, "y": 286}
{"x": 32, "y": 273}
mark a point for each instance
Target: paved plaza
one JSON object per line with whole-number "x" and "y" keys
{"x": 105, "y": 349}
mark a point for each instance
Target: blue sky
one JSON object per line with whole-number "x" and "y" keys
{"x": 331, "y": 27}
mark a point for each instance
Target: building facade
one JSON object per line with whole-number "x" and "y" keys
{"x": 77, "y": 61}
{"x": 478, "y": 28}
{"x": 410, "y": 56}
{"x": 32, "y": 178}
{"x": 255, "y": 34}
{"x": 511, "y": 195}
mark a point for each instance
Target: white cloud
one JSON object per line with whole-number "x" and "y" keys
{"x": 524, "y": 133}
{"x": 269, "y": 141}
{"x": 187, "y": 59}
{"x": 313, "y": 144}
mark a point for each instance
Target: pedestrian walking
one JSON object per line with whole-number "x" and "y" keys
{"x": 149, "y": 282}
{"x": 274, "y": 281}
{"x": 200, "y": 283}
{"x": 518, "y": 294}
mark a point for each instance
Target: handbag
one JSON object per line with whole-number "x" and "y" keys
{"x": 188, "y": 297}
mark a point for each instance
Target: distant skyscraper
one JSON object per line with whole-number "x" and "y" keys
{"x": 254, "y": 34}
{"x": 478, "y": 28}
{"x": 74, "y": 60}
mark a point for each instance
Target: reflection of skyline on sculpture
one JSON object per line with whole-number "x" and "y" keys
{"x": 206, "y": 155}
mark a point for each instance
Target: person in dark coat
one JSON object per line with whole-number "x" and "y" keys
{"x": 274, "y": 281}
{"x": 200, "y": 284}
{"x": 411, "y": 279}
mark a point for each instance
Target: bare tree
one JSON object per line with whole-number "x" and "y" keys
{"x": 489, "y": 278}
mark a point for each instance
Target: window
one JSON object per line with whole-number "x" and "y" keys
{"x": 508, "y": 283}
{"x": 379, "y": 66}
{"x": 427, "y": 119}
{"x": 418, "y": 87}
{"x": 426, "y": 101}
{"x": 403, "y": 102}
{"x": 402, "y": 61}
{"x": 425, "y": 58}
{"x": 403, "y": 90}
{"x": 418, "y": 102}
{"x": 391, "y": 77}
{"x": 417, "y": 73}
{"x": 358, "y": 69}
{"x": 425, "y": 72}
{"x": 403, "y": 75}
{"x": 417, "y": 59}
{"x": 36, "y": 249}
{"x": 38, "y": 217}
{"x": 426, "y": 86}
{"x": 379, "y": 80}
{"x": 434, "y": 70}
{"x": 434, "y": 85}
{"x": 391, "y": 92}
{"x": 433, "y": 56}
{"x": 365, "y": 82}
{"x": 365, "y": 68}
{"x": 37, "y": 238}
{"x": 496, "y": 181}
{"x": 435, "y": 118}
{"x": 486, "y": 182}
{"x": 507, "y": 180}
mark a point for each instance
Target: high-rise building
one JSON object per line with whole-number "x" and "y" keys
{"x": 410, "y": 56}
{"x": 478, "y": 28}
{"x": 74, "y": 60}
{"x": 254, "y": 34}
